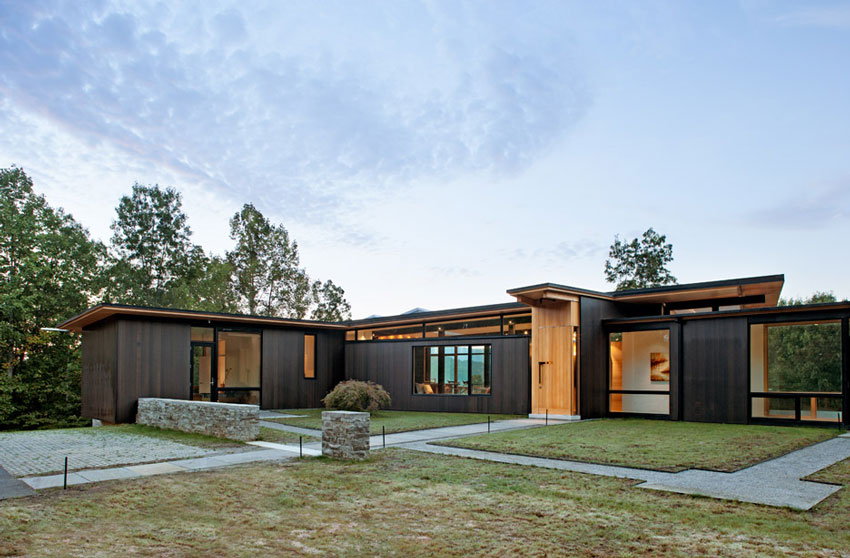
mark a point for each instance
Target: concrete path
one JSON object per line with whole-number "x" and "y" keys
{"x": 150, "y": 469}
{"x": 293, "y": 429}
{"x": 10, "y": 487}
{"x": 774, "y": 483}
{"x": 274, "y": 415}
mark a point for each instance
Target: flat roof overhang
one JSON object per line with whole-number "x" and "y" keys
{"x": 103, "y": 311}
{"x": 748, "y": 290}
{"x": 826, "y": 311}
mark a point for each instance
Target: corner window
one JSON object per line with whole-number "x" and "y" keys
{"x": 309, "y": 356}
{"x": 795, "y": 371}
{"x": 452, "y": 370}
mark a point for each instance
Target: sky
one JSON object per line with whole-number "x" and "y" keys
{"x": 435, "y": 154}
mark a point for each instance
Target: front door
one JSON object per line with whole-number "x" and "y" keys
{"x": 554, "y": 360}
{"x": 201, "y": 372}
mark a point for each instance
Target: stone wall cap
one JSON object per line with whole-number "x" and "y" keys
{"x": 240, "y": 406}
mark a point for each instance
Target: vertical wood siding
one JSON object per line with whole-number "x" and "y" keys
{"x": 390, "y": 363}
{"x": 284, "y": 384}
{"x": 714, "y": 380}
{"x": 153, "y": 361}
{"x": 99, "y": 358}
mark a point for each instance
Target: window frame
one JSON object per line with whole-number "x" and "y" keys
{"x": 673, "y": 370}
{"x": 441, "y": 355}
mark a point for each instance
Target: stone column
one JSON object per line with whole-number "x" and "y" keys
{"x": 345, "y": 434}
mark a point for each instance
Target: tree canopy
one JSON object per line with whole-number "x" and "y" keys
{"x": 49, "y": 270}
{"x": 641, "y": 262}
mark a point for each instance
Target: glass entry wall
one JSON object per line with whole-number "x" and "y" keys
{"x": 639, "y": 372}
{"x": 225, "y": 366}
{"x": 795, "y": 371}
{"x": 238, "y": 367}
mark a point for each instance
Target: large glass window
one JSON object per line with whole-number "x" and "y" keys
{"x": 238, "y": 367}
{"x": 452, "y": 370}
{"x": 795, "y": 370}
{"x": 639, "y": 372}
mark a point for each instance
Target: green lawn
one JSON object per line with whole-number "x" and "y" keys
{"x": 402, "y": 503}
{"x": 283, "y": 437}
{"x": 395, "y": 421}
{"x": 653, "y": 444}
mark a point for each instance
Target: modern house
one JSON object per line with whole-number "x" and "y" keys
{"x": 718, "y": 351}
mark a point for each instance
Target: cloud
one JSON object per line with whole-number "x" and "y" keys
{"x": 298, "y": 108}
{"x": 816, "y": 209}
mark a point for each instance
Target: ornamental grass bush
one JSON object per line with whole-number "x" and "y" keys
{"x": 356, "y": 395}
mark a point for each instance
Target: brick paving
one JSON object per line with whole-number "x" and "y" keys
{"x": 43, "y": 451}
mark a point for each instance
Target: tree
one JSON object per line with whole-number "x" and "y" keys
{"x": 330, "y": 303}
{"x": 154, "y": 262}
{"x": 640, "y": 263}
{"x": 49, "y": 270}
{"x": 267, "y": 276}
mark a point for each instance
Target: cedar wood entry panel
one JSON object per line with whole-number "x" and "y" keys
{"x": 390, "y": 363}
{"x": 283, "y": 381}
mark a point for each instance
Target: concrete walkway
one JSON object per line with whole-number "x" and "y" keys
{"x": 150, "y": 469}
{"x": 10, "y": 487}
{"x": 774, "y": 483}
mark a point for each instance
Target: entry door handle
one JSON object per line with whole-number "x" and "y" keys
{"x": 540, "y": 370}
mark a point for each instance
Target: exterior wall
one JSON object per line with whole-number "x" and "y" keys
{"x": 99, "y": 364}
{"x": 153, "y": 361}
{"x": 715, "y": 380}
{"x": 390, "y": 363}
{"x": 283, "y": 381}
{"x": 593, "y": 356}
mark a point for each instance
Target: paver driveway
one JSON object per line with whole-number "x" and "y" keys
{"x": 43, "y": 451}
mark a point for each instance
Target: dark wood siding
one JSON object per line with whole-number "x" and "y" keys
{"x": 284, "y": 384}
{"x": 390, "y": 363}
{"x": 99, "y": 356}
{"x": 714, "y": 380}
{"x": 593, "y": 356}
{"x": 153, "y": 361}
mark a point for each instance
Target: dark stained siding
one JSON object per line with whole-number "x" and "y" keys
{"x": 714, "y": 380}
{"x": 390, "y": 363}
{"x": 593, "y": 356}
{"x": 284, "y": 384}
{"x": 98, "y": 371}
{"x": 153, "y": 361}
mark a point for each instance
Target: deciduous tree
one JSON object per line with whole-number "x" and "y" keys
{"x": 640, "y": 262}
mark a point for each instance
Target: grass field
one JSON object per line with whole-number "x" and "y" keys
{"x": 402, "y": 503}
{"x": 395, "y": 421}
{"x": 283, "y": 437}
{"x": 653, "y": 444}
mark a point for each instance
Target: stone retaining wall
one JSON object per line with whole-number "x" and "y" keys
{"x": 345, "y": 434}
{"x": 225, "y": 420}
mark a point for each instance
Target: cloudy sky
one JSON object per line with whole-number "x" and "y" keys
{"x": 435, "y": 154}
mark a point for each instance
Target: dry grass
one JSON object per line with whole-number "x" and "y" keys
{"x": 395, "y": 421}
{"x": 653, "y": 444}
{"x": 402, "y": 503}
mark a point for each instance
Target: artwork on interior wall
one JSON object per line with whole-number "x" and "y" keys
{"x": 659, "y": 368}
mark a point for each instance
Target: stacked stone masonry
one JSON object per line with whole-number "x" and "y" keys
{"x": 345, "y": 434}
{"x": 225, "y": 420}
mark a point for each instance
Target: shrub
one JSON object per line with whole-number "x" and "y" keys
{"x": 356, "y": 395}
